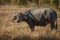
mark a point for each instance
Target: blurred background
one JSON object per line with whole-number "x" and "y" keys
{"x": 55, "y": 3}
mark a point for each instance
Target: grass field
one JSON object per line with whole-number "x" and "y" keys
{"x": 10, "y": 30}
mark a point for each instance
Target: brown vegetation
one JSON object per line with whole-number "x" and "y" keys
{"x": 10, "y": 30}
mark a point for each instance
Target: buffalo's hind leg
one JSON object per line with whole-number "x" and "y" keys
{"x": 53, "y": 24}
{"x": 56, "y": 24}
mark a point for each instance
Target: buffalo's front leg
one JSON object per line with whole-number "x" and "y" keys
{"x": 30, "y": 22}
{"x": 31, "y": 27}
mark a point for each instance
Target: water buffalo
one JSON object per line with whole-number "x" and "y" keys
{"x": 39, "y": 17}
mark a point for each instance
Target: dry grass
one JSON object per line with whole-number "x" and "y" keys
{"x": 10, "y": 30}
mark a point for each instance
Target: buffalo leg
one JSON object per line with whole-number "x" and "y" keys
{"x": 30, "y": 22}
{"x": 53, "y": 24}
{"x": 56, "y": 24}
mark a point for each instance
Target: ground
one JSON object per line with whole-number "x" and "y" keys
{"x": 10, "y": 30}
